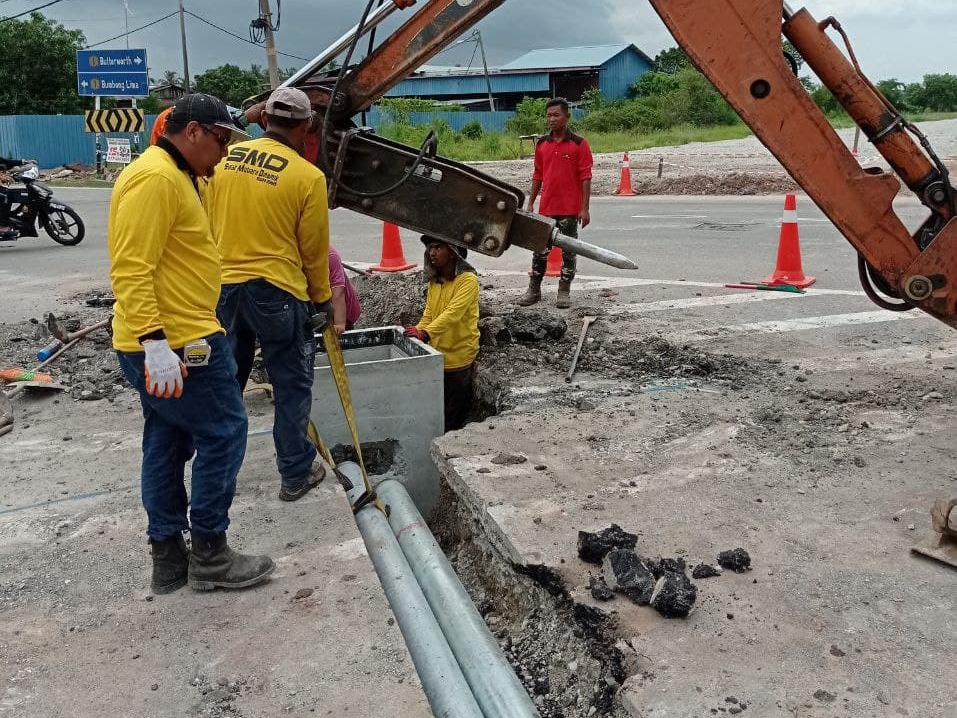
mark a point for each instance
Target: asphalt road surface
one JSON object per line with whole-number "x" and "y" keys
{"x": 693, "y": 239}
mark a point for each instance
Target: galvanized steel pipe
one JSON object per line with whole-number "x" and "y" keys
{"x": 444, "y": 685}
{"x": 493, "y": 682}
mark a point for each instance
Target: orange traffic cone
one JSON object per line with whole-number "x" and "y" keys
{"x": 554, "y": 266}
{"x": 788, "y": 269}
{"x": 393, "y": 260}
{"x": 624, "y": 187}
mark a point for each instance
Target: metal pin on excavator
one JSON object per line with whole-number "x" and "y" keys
{"x": 735, "y": 43}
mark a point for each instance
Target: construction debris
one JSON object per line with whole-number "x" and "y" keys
{"x": 593, "y": 547}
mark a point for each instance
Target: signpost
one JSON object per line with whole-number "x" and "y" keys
{"x": 111, "y": 73}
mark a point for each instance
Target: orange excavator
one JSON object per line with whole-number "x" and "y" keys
{"x": 737, "y": 44}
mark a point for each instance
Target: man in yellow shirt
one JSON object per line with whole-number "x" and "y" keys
{"x": 270, "y": 218}
{"x": 450, "y": 323}
{"x": 165, "y": 273}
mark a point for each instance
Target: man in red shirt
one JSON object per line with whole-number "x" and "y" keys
{"x": 563, "y": 176}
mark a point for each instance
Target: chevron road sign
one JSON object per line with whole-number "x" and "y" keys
{"x": 117, "y": 120}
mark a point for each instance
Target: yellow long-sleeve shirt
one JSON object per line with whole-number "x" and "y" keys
{"x": 164, "y": 266}
{"x": 269, "y": 214}
{"x": 451, "y": 319}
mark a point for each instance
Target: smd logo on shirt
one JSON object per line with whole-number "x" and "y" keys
{"x": 265, "y": 166}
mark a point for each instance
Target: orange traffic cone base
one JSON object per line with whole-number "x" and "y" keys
{"x": 554, "y": 266}
{"x": 800, "y": 280}
{"x": 393, "y": 258}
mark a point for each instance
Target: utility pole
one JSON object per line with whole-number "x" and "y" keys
{"x": 488, "y": 80}
{"x": 182, "y": 32}
{"x": 271, "y": 62}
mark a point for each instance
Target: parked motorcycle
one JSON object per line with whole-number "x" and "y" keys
{"x": 33, "y": 206}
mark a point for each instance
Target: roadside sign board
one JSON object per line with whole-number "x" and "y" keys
{"x": 118, "y": 150}
{"x": 112, "y": 73}
{"x": 120, "y": 119}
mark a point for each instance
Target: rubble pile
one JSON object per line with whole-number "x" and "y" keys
{"x": 88, "y": 370}
{"x": 661, "y": 583}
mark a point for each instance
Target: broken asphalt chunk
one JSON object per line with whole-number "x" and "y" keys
{"x": 736, "y": 560}
{"x": 674, "y": 595}
{"x": 704, "y": 570}
{"x": 625, "y": 573}
{"x": 593, "y": 547}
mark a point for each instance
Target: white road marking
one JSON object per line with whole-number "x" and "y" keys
{"x": 669, "y": 216}
{"x": 797, "y": 324}
{"x": 690, "y": 302}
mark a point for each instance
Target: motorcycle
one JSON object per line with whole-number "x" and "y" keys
{"x": 33, "y": 206}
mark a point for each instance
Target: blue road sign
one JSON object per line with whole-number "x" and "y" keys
{"x": 112, "y": 73}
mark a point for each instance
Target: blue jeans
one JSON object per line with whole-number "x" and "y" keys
{"x": 258, "y": 309}
{"x": 209, "y": 419}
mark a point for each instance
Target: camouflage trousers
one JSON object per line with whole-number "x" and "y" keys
{"x": 567, "y": 225}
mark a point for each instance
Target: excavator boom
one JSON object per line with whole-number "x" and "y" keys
{"x": 737, "y": 44}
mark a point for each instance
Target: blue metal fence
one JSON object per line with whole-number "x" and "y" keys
{"x": 55, "y": 140}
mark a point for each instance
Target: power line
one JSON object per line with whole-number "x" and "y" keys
{"x": 141, "y": 27}
{"x": 27, "y": 12}
{"x": 238, "y": 37}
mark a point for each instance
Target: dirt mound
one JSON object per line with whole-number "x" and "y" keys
{"x": 89, "y": 369}
{"x": 727, "y": 183}
{"x": 388, "y": 299}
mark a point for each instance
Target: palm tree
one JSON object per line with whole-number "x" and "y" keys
{"x": 170, "y": 77}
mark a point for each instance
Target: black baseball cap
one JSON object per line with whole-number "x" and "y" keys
{"x": 206, "y": 110}
{"x": 462, "y": 252}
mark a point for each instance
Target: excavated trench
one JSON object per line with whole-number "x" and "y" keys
{"x": 565, "y": 654}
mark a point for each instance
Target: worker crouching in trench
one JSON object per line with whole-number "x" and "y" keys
{"x": 450, "y": 323}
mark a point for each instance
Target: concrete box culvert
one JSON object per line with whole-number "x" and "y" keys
{"x": 396, "y": 387}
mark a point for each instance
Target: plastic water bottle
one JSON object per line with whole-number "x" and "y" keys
{"x": 49, "y": 350}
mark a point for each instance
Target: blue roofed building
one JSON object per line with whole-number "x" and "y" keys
{"x": 554, "y": 72}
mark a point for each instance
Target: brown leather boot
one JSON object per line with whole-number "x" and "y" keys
{"x": 533, "y": 294}
{"x": 213, "y": 564}
{"x": 170, "y": 564}
{"x": 564, "y": 300}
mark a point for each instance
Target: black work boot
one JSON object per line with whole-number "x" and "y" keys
{"x": 213, "y": 564}
{"x": 533, "y": 294}
{"x": 564, "y": 300}
{"x": 170, "y": 564}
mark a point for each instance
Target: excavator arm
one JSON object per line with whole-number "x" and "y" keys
{"x": 737, "y": 45}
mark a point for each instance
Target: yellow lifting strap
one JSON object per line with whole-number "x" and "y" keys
{"x": 337, "y": 364}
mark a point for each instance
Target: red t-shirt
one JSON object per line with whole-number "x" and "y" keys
{"x": 561, "y": 166}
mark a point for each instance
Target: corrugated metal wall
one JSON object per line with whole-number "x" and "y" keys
{"x": 55, "y": 140}
{"x": 621, "y": 71}
{"x": 442, "y": 85}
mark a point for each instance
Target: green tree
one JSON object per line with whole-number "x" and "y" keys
{"x": 230, "y": 83}
{"x": 38, "y": 67}
{"x": 915, "y": 96}
{"x": 671, "y": 61}
{"x": 893, "y": 90}
{"x": 529, "y": 117}
{"x": 171, "y": 77}
{"x": 940, "y": 92}
{"x": 654, "y": 83}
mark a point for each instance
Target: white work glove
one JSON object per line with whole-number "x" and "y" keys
{"x": 164, "y": 370}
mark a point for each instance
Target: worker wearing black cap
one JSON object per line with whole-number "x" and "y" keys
{"x": 450, "y": 323}
{"x": 165, "y": 272}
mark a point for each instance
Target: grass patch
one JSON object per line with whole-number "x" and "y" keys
{"x": 91, "y": 182}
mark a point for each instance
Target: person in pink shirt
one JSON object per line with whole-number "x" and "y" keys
{"x": 345, "y": 301}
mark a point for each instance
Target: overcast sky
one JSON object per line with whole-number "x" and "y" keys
{"x": 905, "y": 39}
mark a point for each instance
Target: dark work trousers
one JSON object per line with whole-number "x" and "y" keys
{"x": 258, "y": 309}
{"x": 567, "y": 225}
{"x": 208, "y": 420}
{"x": 458, "y": 397}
